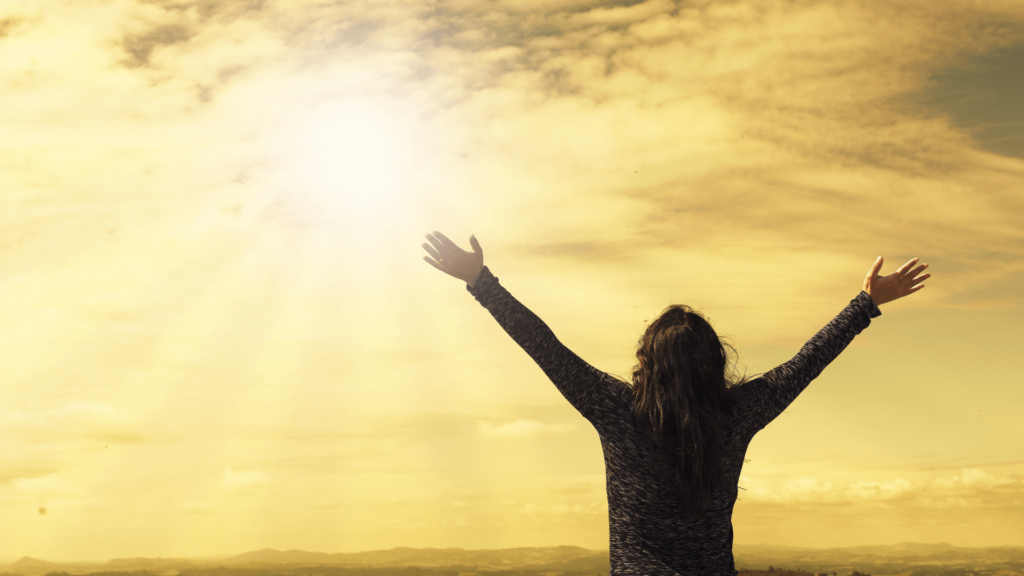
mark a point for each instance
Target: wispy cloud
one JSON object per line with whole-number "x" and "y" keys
{"x": 76, "y": 420}
{"x": 42, "y": 489}
{"x": 140, "y": 46}
{"x": 618, "y": 15}
{"x": 973, "y": 487}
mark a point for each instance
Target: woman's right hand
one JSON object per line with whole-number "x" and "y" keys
{"x": 454, "y": 261}
{"x": 884, "y": 289}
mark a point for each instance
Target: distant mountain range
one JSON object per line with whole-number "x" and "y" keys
{"x": 906, "y": 559}
{"x": 553, "y": 557}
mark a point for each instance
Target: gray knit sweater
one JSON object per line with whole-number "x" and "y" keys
{"x": 648, "y": 534}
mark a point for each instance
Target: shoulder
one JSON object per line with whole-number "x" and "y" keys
{"x": 620, "y": 389}
{"x": 612, "y": 401}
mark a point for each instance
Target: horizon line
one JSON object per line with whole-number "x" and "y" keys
{"x": 215, "y": 557}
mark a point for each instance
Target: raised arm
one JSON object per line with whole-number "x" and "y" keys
{"x": 774, "y": 391}
{"x": 575, "y": 379}
{"x": 779, "y": 387}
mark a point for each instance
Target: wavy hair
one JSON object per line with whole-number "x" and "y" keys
{"x": 681, "y": 388}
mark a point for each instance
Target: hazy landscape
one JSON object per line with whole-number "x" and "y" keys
{"x": 904, "y": 559}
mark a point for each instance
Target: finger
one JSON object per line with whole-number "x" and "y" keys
{"x": 434, "y": 264}
{"x": 916, "y": 288}
{"x": 476, "y": 245}
{"x": 430, "y": 250}
{"x": 913, "y": 273}
{"x": 906, "y": 266}
{"x": 451, "y": 246}
{"x": 441, "y": 248}
{"x": 917, "y": 281}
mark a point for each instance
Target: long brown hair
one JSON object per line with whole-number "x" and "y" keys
{"x": 681, "y": 387}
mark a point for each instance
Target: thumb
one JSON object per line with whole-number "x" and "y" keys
{"x": 476, "y": 245}
{"x": 876, "y": 267}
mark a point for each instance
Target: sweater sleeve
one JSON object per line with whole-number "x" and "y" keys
{"x": 778, "y": 388}
{"x": 577, "y": 380}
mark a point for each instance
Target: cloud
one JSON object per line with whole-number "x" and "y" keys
{"x": 140, "y": 46}
{"x": 41, "y": 489}
{"x": 234, "y": 479}
{"x": 7, "y": 25}
{"x": 525, "y": 429}
{"x": 813, "y": 490}
{"x": 624, "y": 14}
{"x": 975, "y": 477}
{"x": 547, "y": 6}
{"x": 210, "y": 9}
{"x": 772, "y": 112}
{"x": 593, "y": 251}
{"x": 76, "y": 420}
{"x": 972, "y": 487}
{"x": 50, "y": 493}
{"x": 884, "y": 490}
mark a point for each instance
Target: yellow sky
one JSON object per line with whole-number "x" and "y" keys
{"x": 218, "y": 334}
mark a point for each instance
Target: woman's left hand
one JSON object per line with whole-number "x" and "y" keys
{"x": 454, "y": 261}
{"x": 900, "y": 283}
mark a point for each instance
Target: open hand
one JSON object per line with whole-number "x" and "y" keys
{"x": 884, "y": 289}
{"x": 452, "y": 260}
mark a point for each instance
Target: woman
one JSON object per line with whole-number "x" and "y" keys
{"x": 674, "y": 438}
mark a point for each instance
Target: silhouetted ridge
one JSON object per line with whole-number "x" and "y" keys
{"x": 905, "y": 558}
{"x": 30, "y": 561}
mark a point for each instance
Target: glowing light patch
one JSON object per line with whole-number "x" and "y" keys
{"x": 344, "y": 162}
